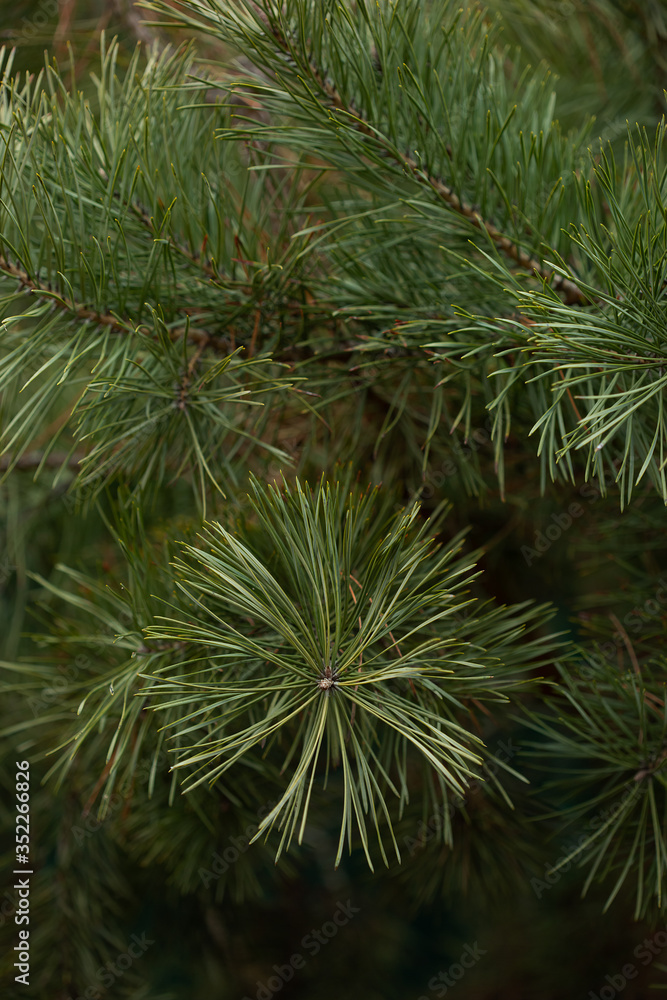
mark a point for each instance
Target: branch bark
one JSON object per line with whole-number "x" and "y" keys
{"x": 570, "y": 291}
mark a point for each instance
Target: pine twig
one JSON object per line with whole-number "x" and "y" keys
{"x": 83, "y": 313}
{"x": 35, "y": 459}
{"x": 570, "y": 291}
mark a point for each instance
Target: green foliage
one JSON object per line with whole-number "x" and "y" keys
{"x": 110, "y": 232}
{"x": 510, "y": 184}
{"x": 325, "y": 632}
{"x": 355, "y": 651}
{"x": 379, "y": 248}
{"x": 611, "y": 726}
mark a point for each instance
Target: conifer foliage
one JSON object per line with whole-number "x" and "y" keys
{"x": 332, "y": 356}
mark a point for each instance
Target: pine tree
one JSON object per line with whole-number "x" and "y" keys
{"x": 334, "y": 448}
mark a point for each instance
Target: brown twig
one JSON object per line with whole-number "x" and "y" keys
{"x": 33, "y": 459}
{"x": 82, "y": 313}
{"x": 100, "y": 781}
{"x": 67, "y": 8}
{"x": 570, "y": 291}
{"x": 127, "y": 13}
{"x": 645, "y": 772}
{"x": 255, "y": 331}
{"x": 650, "y": 699}
{"x": 187, "y": 378}
{"x": 93, "y": 43}
{"x": 571, "y": 398}
{"x": 141, "y": 213}
{"x": 626, "y": 642}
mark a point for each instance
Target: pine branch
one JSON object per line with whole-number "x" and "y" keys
{"x": 37, "y": 460}
{"x": 611, "y": 726}
{"x": 315, "y": 675}
{"x": 570, "y": 291}
{"x": 116, "y": 325}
